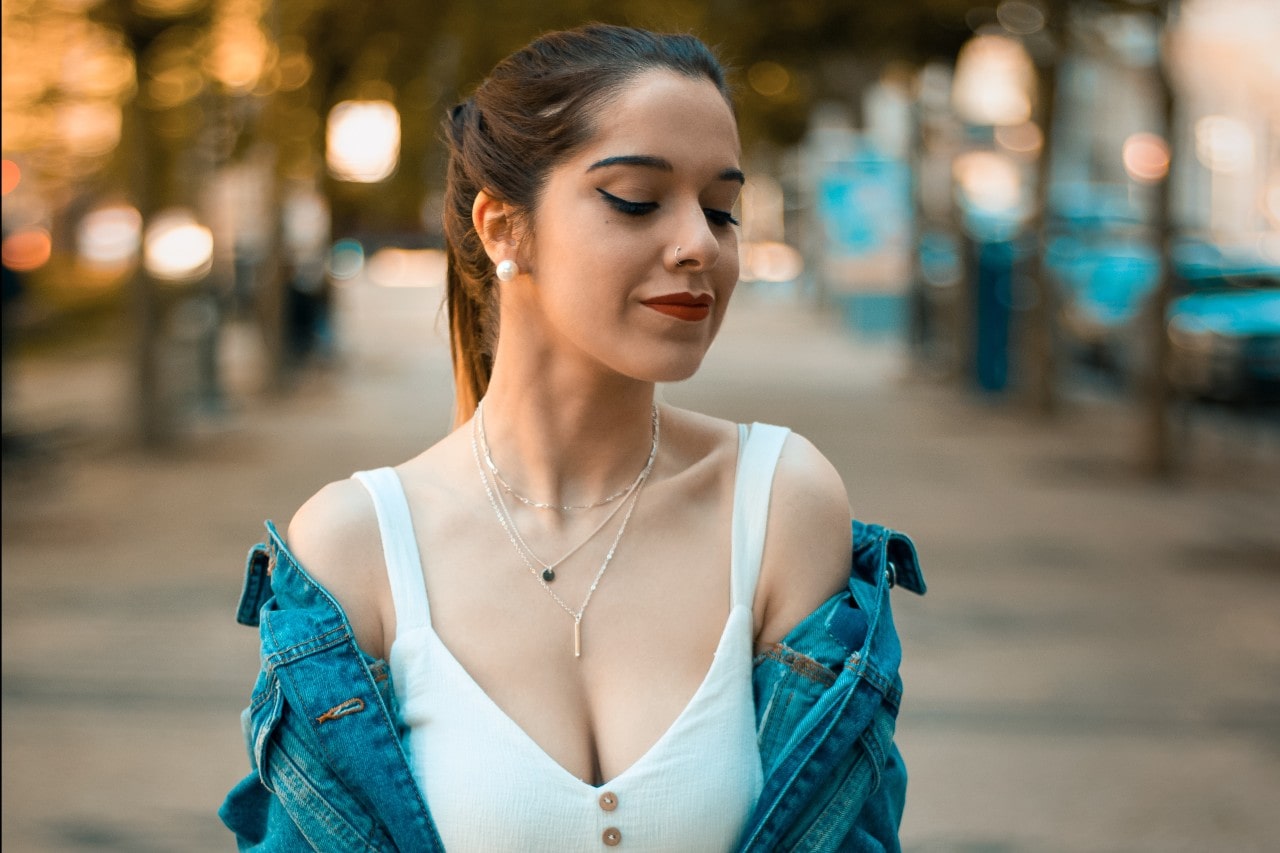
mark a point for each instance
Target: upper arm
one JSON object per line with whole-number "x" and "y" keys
{"x": 335, "y": 537}
{"x": 808, "y": 541}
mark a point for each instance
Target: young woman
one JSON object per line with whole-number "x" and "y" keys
{"x": 608, "y": 621}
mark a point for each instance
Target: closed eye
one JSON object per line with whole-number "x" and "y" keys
{"x": 719, "y": 218}
{"x": 630, "y": 208}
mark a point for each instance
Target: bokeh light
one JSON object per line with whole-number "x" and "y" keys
{"x": 1224, "y": 144}
{"x": 27, "y": 249}
{"x": 240, "y": 53}
{"x": 10, "y": 177}
{"x": 771, "y": 261}
{"x": 177, "y": 248}
{"x": 363, "y": 141}
{"x": 346, "y": 259}
{"x": 990, "y": 181}
{"x": 1020, "y": 17}
{"x": 993, "y": 82}
{"x": 1271, "y": 205}
{"x": 1146, "y": 157}
{"x": 769, "y": 78}
{"x": 108, "y": 237}
{"x": 392, "y": 267}
{"x": 90, "y": 128}
{"x": 1026, "y": 139}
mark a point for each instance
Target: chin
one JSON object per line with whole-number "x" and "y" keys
{"x": 676, "y": 370}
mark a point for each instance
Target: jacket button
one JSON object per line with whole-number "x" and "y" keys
{"x": 608, "y": 801}
{"x": 612, "y": 837}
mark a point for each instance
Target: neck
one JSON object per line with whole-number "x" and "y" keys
{"x": 566, "y": 444}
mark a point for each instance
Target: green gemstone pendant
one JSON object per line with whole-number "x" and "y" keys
{"x": 548, "y": 575}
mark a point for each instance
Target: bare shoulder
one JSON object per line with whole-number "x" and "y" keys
{"x": 334, "y": 536}
{"x": 808, "y": 540}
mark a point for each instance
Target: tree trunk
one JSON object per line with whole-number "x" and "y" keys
{"x": 1157, "y": 451}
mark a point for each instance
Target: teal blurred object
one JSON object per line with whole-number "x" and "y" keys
{"x": 1104, "y": 282}
{"x": 1225, "y": 345}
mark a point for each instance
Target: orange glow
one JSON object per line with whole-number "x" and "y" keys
{"x": 1025, "y": 138}
{"x": 1146, "y": 157}
{"x": 990, "y": 180}
{"x": 166, "y": 8}
{"x": 90, "y": 129}
{"x": 240, "y": 54}
{"x": 295, "y": 69}
{"x": 27, "y": 249}
{"x": 10, "y": 176}
{"x": 768, "y": 78}
{"x": 770, "y": 261}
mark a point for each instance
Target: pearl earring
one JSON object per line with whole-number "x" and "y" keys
{"x": 507, "y": 270}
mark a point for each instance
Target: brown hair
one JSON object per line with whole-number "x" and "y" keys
{"x": 533, "y": 111}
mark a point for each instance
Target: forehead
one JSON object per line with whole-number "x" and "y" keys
{"x": 661, "y": 113}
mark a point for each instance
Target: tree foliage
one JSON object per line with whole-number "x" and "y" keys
{"x": 429, "y": 56}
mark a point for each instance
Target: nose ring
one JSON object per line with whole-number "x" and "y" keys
{"x": 678, "y": 261}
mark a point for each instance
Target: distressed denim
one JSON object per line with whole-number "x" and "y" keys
{"x": 329, "y": 772}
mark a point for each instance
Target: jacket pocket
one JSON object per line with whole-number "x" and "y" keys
{"x": 788, "y": 686}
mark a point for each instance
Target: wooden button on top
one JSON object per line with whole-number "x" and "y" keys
{"x": 608, "y": 801}
{"x": 612, "y": 837}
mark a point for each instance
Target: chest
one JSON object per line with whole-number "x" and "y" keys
{"x": 647, "y": 632}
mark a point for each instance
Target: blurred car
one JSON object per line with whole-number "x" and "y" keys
{"x": 1225, "y": 345}
{"x": 1103, "y": 282}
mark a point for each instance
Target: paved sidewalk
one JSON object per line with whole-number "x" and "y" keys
{"x": 1095, "y": 668}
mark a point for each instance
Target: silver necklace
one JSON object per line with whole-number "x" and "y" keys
{"x": 509, "y": 489}
{"x": 509, "y": 528}
{"x": 549, "y": 568}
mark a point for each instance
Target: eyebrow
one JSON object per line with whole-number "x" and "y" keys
{"x": 650, "y": 162}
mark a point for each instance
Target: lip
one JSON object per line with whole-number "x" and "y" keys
{"x": 682, "y": 306}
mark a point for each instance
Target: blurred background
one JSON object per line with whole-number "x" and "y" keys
{"x": 1014, "y": 266}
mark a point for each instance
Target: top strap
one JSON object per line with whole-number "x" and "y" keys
{"x": 399, "y": 547}
{"x": 759, "y": 448}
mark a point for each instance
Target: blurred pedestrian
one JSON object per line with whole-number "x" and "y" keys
{"x": 568, "y": 591}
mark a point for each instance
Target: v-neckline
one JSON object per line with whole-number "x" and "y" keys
{"x": 718, "y": 659}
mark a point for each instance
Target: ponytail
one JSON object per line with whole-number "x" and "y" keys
{"x": 468, "y": 344}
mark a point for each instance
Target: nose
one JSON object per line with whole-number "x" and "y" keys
{"x": 695, "y": 248}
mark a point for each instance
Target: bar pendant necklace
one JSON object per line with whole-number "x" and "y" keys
{"x": 508, "y": 526}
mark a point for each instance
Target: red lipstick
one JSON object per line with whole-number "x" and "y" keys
{"x": 682, "y": 306}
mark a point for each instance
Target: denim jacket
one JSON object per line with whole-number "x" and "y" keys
{"x": 329, "y": 772}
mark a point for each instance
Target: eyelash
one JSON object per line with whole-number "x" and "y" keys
{"x": 719, "y": 218}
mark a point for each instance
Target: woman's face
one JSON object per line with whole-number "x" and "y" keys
{"x": 661, "y": 172}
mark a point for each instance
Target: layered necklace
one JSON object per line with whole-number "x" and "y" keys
{"x": 543, "y": 571}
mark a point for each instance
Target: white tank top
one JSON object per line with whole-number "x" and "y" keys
{"x": 491, "y": 788}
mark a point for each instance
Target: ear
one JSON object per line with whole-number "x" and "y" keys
{"x": 497, "y": 224}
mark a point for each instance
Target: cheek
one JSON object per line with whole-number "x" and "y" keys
{"x": 730, "y": 266}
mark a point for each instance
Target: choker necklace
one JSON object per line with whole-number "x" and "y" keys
{"x": 508, "y": 526}
{"x": 509, "y": 489}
